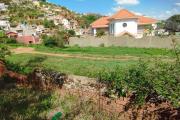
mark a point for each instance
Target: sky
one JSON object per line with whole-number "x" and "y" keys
{"x": 159, "y": 9}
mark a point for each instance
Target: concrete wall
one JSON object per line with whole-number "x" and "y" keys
{"x": 146, "y": 42}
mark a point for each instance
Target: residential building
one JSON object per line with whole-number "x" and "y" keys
{"x": 125, "y": 22}
{"x": 28, "y": 39}
{"x": 4, "y": 24}
{"x": 3, "y": 7}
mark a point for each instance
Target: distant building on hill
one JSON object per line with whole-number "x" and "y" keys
{"x": 28, "y": 39}
{"x": 4, "y": 24}
{"x": 3, "y": 7}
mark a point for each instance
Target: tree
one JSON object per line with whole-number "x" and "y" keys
{"x": 173, "y": 24}
{"x": 5, "y": 1}
{"x": 56, "y": 40}
{"x": 49, "y": 41}
{"x": 161, "y": 24}
{"x": 86, "y": 20}
{"x": 48, "y": 23}
{"x": 71, "y": 33}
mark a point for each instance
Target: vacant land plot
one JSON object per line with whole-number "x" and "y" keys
{"x": 84, "y": 61}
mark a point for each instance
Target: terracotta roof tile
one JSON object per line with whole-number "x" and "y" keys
{"x": 146, "y": 20}
{"x": 123, "y": 14}
{"x": 100, "y": 23}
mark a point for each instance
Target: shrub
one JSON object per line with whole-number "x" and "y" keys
{"x": 102, "y": 45}
{"x": 145, "y": 80}
{"x": 100, "y": 33}
{"x": 57, "y": 40}
{"x": 49, "y": 41}
{"x": 48, "y": 23}
{"x": 10, "y": 40}
{"x": 71, "y": 33}
{"x": 2, "y": 34}
{"x": 4, "y": 51}
{"x": 114, "y": 81}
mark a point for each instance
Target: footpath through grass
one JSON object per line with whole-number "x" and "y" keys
{"x": 111, "y": 51}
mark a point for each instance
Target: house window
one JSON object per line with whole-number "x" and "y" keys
{"x": 124, "y": 25}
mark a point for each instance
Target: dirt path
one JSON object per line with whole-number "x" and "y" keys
{"x": 22, "y": 50}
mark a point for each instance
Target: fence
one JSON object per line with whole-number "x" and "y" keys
{"x": 124, "y": 41}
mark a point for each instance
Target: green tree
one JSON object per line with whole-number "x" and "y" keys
{"x": 48, "y": 23}
{"x": 5, "y": 1}
{"x": 173, "y": 24}
{"x": 71, "y": 33}
{"x": 86, "y": 20}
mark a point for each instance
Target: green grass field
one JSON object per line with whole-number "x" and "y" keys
{"x": 75, "y": 66}
{"x": 111, "y": 51}
{"x": 89, "y": 67}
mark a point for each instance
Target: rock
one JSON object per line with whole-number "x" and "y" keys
{"x": 46, "y": 79}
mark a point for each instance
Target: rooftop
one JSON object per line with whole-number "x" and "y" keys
{"x": 102, "y": 22}
{"x": 120, "y": 15}
{"x": 123, "y": 14}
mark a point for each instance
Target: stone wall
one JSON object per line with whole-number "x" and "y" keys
{"x": 125, "y": 41}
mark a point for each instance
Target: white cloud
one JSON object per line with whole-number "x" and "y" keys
{"x": 137, "y": 13}
{"x": 165, "y": 15}
{"x": 177, "y": 4}
{"x": 117, "y": 8}
{"x": 120, "y": 3}
{"x": 127, "y": 2}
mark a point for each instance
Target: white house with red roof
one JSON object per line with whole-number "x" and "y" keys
{"x": 124, "y": 22}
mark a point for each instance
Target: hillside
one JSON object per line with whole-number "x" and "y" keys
{"x": 38, "y": 12}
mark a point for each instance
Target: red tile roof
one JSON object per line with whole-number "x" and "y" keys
{"x": 146, "y": 20}
{"x": 122, "y": 14}
{"x": 101, "y": 23}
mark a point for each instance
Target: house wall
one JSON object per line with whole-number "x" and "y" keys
{"x": 131, "y": 26}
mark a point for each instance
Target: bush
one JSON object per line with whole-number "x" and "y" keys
{"x": 2, "y": 34}
{"x": 71, "y": 33}
{"x": 4, "y": 51}
{"x": 60, "y": 40}
{"x": 48, "y": 23}
{"x": 57, "y": 40}
{"x": 145, "y": 80}
{"x": 49, "y": 41}
{"x": 10, "y": 40}
{"x": 102, "y": 45}
{"x": 100, "y": 33}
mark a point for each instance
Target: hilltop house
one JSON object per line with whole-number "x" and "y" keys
{"x": 124, "y": 22}
{"x": 3, "y": 7}
{"x": 4, "y": 24}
